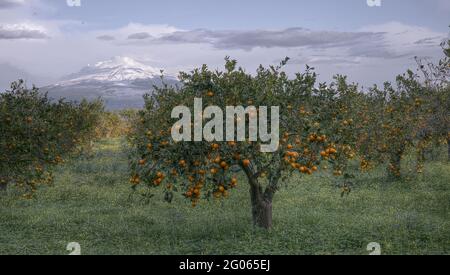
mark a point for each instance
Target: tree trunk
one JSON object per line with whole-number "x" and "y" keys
{"x": 261, "y": 208}
{"x": 3, "y": 187}
{"x": 434, "y": 152}
{"x": 394, "y": 169}
{"x": 421, "y": 158}
{"x": 448, "y": 149}
{"x": 261, "y": 201}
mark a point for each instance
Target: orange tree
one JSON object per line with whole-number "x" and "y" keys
{"x": 36, "y": 134}
{"x": 207, "y": 170}
{"x": 393, "y": 123}
{"x": 441, "y": 115}
{"x": 338, "y": 107}
{"x": 436, "y": 81}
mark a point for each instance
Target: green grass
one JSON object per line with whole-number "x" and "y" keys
{"x": 90, "y": 203}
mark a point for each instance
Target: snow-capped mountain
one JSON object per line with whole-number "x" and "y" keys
{"x": 120, "y": 82}
{"x": 116, "y": 69}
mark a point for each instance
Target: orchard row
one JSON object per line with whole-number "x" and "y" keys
{"x": 322, "y": 126}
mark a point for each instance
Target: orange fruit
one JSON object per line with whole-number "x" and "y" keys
{"x": 232, "y": 143}
{"x": 338, "y": 173}
{"x": 215, "y": 146}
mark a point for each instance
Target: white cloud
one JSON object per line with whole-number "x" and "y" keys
{"x": 405, "y": 40}
{"x": 22, "y": 31}
{"x": 123, "y": 33}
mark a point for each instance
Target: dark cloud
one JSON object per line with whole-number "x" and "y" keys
{"x": 389, "y": 42}
{"x": 6, "y": 4}
{"x": 288, "y": 38}
{"x": 106, "y": 37}
{"x": 428, "y": 41}
{"x": 377, "y": 49}
{"x": 355, "y": 44}
{"x": 139, "y": 36}
{"x": 323, "y": 60}
{"x": 195, "y": 36}
{"x": 9, "y": 33}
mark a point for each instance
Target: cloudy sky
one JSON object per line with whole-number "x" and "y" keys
{"x": 50, "y": 39}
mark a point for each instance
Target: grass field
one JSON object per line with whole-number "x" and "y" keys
{"x": 91, "y": 203}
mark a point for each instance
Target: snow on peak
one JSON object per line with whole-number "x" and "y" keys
{"x": 119, "y": 68}
{"x": 121, "y": 61}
